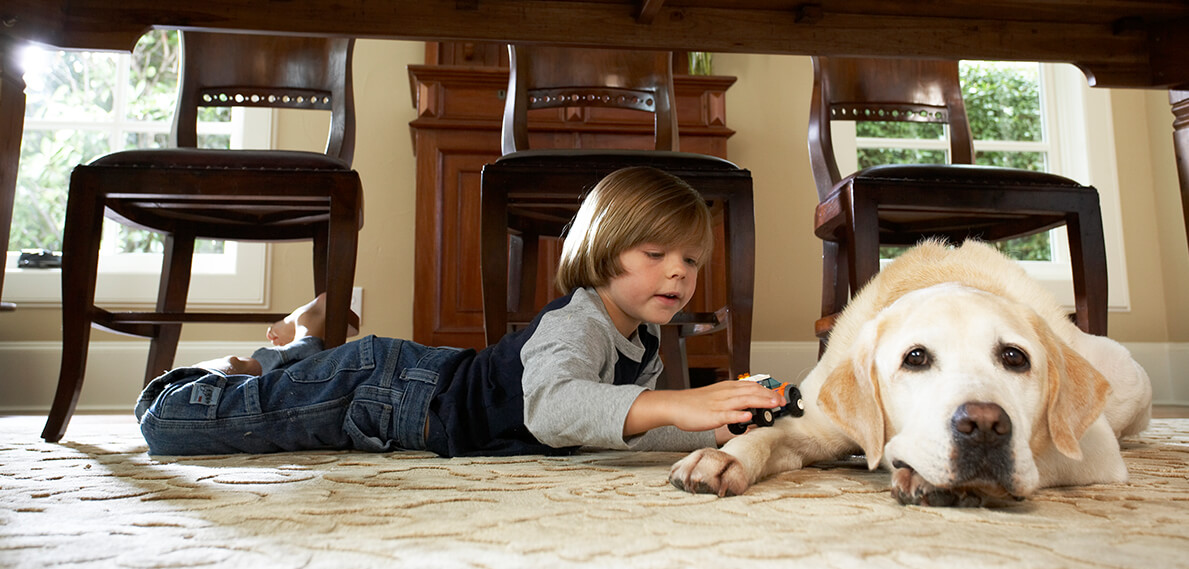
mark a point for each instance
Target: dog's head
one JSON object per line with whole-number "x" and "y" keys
{"x": 964, "y": 388}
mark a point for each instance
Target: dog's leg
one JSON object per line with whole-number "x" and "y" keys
{"x": 730, "y": 471}
{"x": 788, "y": 445}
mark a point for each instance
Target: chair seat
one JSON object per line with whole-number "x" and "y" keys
{"x": 956, "y": 201}
{"x": 960, "y": 174}
{"x": 564, "y": 174}
{"x": 215, "y": 194}
{"x": 222, "y": 159}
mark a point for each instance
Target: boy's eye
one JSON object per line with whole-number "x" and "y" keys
{"x": 654, "y": 254}
{"x": 691, "y": 261}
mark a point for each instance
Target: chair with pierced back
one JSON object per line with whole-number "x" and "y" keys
{"x": 901, "y": 204}
{"x": 535, "y": 192}
{"x": 187, "y": 193}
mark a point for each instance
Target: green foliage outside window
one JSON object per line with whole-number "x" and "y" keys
{"x": 1002, "y": 103}
{"x": 79, "y": 88}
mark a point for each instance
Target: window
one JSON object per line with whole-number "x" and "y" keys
{"x": 82, "y": 105}
{"x": 1022, "y": 115}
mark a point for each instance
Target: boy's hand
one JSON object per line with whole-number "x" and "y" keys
{"x": 700, "y": 409}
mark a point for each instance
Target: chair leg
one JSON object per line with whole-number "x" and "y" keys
{"x": 739, "y": 231}
{"x": 1087, "y": 253}
{"x": 176, "y": 268}
{"x": 80, "y": 265}
{"x": 515, "y": 272}
{"x": 862, "y": 219}
{"x": 321, "y": 257}
{"x": 673, "y": 356}
{"x": 493, "y": 255}
{"x": 530, "y": 260}
{"x": 835, "y": 288}
{"x": 339, "y": 271}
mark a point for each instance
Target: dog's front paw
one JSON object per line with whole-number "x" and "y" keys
{"x": 709, "y": 471}
{"x": 910, "y": 488}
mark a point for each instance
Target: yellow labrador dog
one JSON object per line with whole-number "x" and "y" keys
{"x": 961, "y": 375}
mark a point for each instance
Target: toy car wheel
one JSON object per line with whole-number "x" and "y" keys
{"x": 764, "y": 418}
{"x": 737, "y": 428}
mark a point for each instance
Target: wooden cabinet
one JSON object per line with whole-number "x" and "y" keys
{"x": 457, "y": 131}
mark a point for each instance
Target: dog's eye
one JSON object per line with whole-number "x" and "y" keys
{"x": 917, "y": 359}
{"x": 1014, "y": 359}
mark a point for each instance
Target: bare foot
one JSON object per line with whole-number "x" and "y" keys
{"x": 232, "y": 365}
{"x": 307, "y": 320}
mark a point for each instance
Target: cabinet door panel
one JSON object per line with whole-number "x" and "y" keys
{"x": 448, "y": 300}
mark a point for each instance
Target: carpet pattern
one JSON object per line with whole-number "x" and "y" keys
{"x": 98, "y": 500}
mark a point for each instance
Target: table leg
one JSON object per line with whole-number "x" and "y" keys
{"x": 12, "y": 121}
{"x": 1180, "y": 124}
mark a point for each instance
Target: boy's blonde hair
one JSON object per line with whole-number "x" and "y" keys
{"x": 626, "y": 208}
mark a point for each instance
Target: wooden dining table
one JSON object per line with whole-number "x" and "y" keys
{"x": 1116, "y": 43}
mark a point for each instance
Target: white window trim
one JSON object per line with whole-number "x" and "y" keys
{"x": 132, "y": 280}
{"x": 1081, "y": 146}
{"x": 213, "y": 283}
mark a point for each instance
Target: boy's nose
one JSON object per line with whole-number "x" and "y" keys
{"x": 678, "y": 269}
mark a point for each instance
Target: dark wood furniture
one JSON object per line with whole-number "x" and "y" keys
{"x": 244, "y": 195}
{"x": 459, "y": 96}
{"x": 532, "y": 191}
{"x": 900, "y": 204}
{"x": 1118, "y": 43}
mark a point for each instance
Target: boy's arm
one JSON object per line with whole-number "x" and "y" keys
{"x": 566, "y": 403}
{"x": 700, "y": 409}
{"x": 570, "y": 396}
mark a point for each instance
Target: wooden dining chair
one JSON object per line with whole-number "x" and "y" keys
{"x": 186, "y": 193}
{"x": 530, "y": 192}
{"x": 901, "y": 204}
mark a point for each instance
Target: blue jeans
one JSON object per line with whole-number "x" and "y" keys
{"x": 372, "y": 394}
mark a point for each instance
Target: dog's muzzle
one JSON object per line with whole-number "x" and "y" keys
{"x": 982, "y": 446}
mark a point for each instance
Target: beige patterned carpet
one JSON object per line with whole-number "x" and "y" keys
{"x": 97, "y": 500}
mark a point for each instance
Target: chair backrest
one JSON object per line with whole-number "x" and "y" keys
{"x": 550, "y": 76}
{"x": 904, "y": 90}
{"x": 246, "y": 70}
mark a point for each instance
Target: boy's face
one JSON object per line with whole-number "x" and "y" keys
{"x": 656, "y": 283}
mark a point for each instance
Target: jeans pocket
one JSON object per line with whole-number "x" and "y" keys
{"x": 329, "y": 364}
{"x": 368, "y": 423}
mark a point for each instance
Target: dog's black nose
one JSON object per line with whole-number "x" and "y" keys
{"x": 981, "y": 424}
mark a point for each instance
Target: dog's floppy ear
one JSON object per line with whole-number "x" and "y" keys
{"x": 850, "y": 397}
{"x": 1076, "y": 393}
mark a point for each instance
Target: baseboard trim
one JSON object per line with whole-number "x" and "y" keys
{"x": 114, "y": 370}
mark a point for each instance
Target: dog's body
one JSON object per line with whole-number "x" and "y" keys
{"x": 963, "y": 376}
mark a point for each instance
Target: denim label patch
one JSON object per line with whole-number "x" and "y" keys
{"x": 203, "y": 394}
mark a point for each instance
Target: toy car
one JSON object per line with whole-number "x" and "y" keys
{"x": 793, "y": 405}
